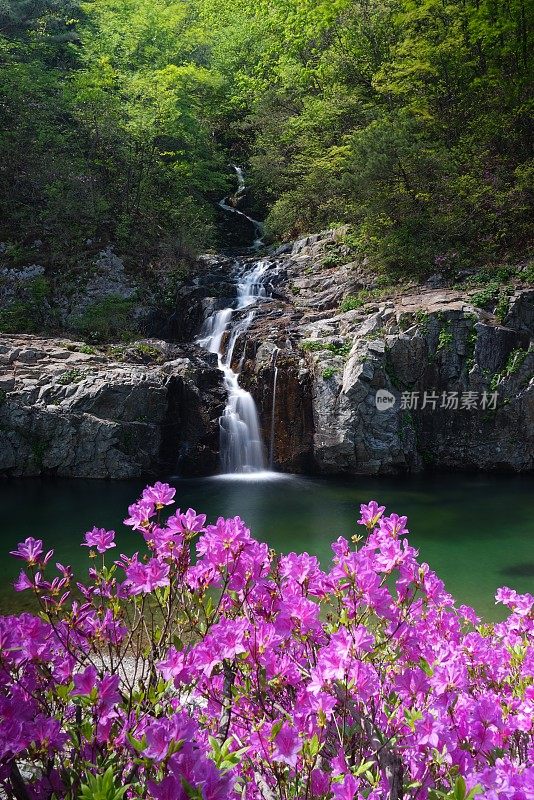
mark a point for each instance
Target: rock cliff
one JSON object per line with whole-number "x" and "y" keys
{"x": 350, "y": 376}
{"x": 68, "y": 409}
{"x": 456, "y": 386}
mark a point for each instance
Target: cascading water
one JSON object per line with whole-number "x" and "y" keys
{"x": 242, "y": 448}
{"x": 241, "y": 445}
{"x": 232, "y": 209}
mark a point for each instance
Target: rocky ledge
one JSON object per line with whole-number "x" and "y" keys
{"x": 69, "y": 409}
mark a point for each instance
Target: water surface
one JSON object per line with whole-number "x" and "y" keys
{"x": 476, "y": 531}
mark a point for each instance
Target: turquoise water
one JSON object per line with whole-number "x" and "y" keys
{"x": 476, "y": 532}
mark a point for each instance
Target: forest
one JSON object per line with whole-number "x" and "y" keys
{"x": 406, "y": 119}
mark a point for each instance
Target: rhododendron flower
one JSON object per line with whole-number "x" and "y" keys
{"x": 161, "y": 494}
{"x": 140, "y": 514}
{"x": 505, "y": 596}
{"x": 108, "y": 693}
{"x": 22, "y": 582}
{"x": 370, "y": 514}
{"x": 173, "y": 667}
{"x": 144, "y": 578}
{"x": 188, "y": 522}
{"x": 287, "y": 745}
{"x": 100, "y": 538}
{"x": 283, "y": 657}
{"x": 168, "y": 789}
{"x": 46, "y": 733}
{"x": 85, "y": 682}
{"x": 394, "y": 525}
{"x": 29, "y": 550}
{"x": 347, "y": 789}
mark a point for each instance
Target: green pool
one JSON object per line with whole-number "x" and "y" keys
{"x": 476, "y": 531}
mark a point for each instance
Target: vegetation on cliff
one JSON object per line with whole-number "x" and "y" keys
{"x": 407, "y": 119}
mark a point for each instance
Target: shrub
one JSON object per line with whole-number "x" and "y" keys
{"x": 245, "y": 674}
{"x": 316, "y": 345}
{"x": 107, "y": 319}
{"x": 18, "y": 317}
{"x": 445, "y": 338}
{"x": 28, "y": 312}
{"x": 71, "y": 376}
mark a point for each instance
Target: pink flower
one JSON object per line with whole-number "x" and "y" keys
{"x": 29, "y": 550}
{"x": 161, "y": 494}
{"x": 190, "y": 522}
{"x": 108, "y": 693}
{"x": 85, "y": 682}
{"x": 347, "y": 789}
{"x": 394, "y": 525}
{"x": 100, "y": 538}
{"x": 173, "y": 667}
{"x": 505, "y": 596}
{"x": 168, "y": 789}
{"x": 144, "y": 578}
{"x": 46, "y": 733}
{"x": 22, "y": 582}
{"x": 287, "y": 745}
{"x": 370, "y": 514}
{"x": 140, "y": 514}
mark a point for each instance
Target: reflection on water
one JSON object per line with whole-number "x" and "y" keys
{"x": 519, "y": 570}
{"x": 477, "y": 532}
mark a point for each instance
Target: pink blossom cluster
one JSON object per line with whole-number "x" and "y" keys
{"x": 207, "y": 666}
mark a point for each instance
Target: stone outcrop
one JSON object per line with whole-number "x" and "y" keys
{"x": 459, "y": 384}
{"x": 67, "y": 409}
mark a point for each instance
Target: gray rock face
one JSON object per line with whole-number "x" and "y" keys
{"x": 460, "y": 385}
{"x": 69, "y": 413}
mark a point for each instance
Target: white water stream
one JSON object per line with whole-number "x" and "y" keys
{"x": 232, "y": 209}
{"x": 241, "y": 446}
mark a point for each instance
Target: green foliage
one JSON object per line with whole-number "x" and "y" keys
{"x": 71, "y": 376}
{"x": 485, "y": 296}
{"x": 18, "y": 318}
{"x": 329, "y": 372}
{"x": 102, "y": 787}
{"x": 515, "y": 361}
{"x": 314, "y": 345}
{"x": 224, "y": 758}
{"x": 351, "y": 302}
{"x": 337, "y": 348}
{"x": 27, "y": 313}
{"x": 445, "y": 338}
{"x": 458, "y": 792}
{"x": 406, "y": 119}
{"x": 106, "y": 319}
{"x": 108, "y": 115}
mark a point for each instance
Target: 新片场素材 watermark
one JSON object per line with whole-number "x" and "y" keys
{"x": 433, "y": 400}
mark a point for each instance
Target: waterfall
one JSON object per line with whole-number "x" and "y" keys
{"x": 242, "y": 449}
{"x": 227, "y": 206}
{"x": 241, "y": 446}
